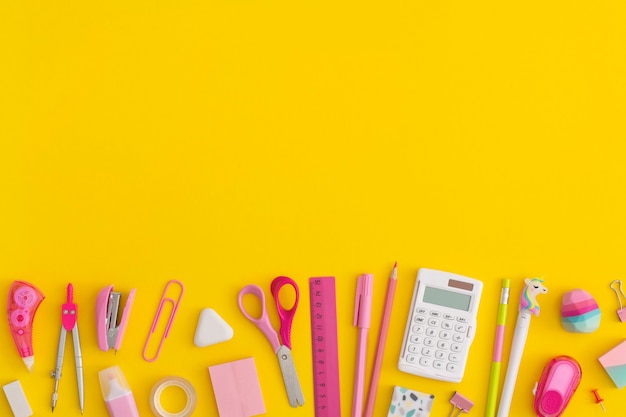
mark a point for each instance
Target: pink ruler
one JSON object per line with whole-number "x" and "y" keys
{"x": 325, "y": 347}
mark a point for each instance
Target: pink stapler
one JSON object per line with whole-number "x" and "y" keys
{"x": 557, "y": 385}
{"x": 110, "y": 331}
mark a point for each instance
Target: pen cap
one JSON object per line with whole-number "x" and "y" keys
{"x": 117, "y": 394}
{"x": 363, "y": 302}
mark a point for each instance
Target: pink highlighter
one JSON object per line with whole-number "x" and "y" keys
{"x": 557, "y": 385}
{"x": 24, "y": 298}
{"x": 117, "y": 394}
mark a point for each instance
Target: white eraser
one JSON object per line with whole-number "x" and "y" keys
{"x": 17, "y": 399}
{"x": 211, "y": 329}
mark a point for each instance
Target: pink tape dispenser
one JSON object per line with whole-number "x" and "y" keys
{"x": 557, "y": 385}
{"x": 110, "y": 331}
{"x": 24, "y": 298}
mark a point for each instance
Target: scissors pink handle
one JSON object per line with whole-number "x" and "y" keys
{"x": 286, "y": 315}
{"x": 263, "y": 322}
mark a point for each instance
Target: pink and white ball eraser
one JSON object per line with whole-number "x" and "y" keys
{"x": 580, "y": 312}
{"x": 17, "y": 399}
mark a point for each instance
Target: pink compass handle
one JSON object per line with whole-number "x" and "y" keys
{"x": 286, "y": 315}
{"x": 69, "y": 310}
{"x": 263, "y": 322}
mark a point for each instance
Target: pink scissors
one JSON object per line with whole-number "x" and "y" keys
{"x": 282, "y": 350}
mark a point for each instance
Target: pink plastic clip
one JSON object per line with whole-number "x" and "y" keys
{"x": 175, "y": 305}
{"x": 460, "y": 403}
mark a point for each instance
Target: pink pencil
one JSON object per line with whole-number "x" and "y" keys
{"x": 382, "y": 339}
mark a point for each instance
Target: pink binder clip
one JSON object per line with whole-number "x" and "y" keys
{"x": 110, "y": 330}
{"x": 164, "y": 299}
{"x": 621, "y": 313}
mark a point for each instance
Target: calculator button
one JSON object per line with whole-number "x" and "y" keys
{"x": 411, "y": 359}
{"x": 437, "y": 364}
{"x": 415, "y": 339}
{"x": 453, "y": 357}
{"x": 420, "y": 310}
{"x": 412, "y": 349}
{"x": 452, "y": 367}
{"x": 440, "y": 354}
{"x": 444, "y": 334}
{"x": 461, "y": 319}
{"x": 433, "y": 322}
{"x": 418, "y": 329}
{"x": 442, "y": 344}
{"x": 461, "y": 328}
{"x": 431, "y": 331}
{"x": 420, "y": 319}
{"x": 435, "y": 313}
{"x": 458, "y": 337}
{"x": 448, "y": 316}
{"x": 429, "y": 342}
{"x": 426, "y": 361}
{"x": 427, "y": 351}
{"x": 446, "y": 325}
{"x": 455, "y": 347}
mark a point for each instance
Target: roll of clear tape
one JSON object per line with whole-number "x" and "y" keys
{"x": 173, "y": 381}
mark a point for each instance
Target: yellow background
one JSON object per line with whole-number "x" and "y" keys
{"x": 228, "y": 142}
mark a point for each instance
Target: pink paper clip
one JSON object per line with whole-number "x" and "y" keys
{"x": 163, "y": 301}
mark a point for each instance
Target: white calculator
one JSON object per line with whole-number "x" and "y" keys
{"x": 441, "y": 325}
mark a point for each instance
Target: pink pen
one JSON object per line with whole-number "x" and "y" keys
{"x": 362, "y": 315}
{"x": 382, "y": 339}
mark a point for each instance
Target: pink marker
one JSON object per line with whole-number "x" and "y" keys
{"x": 24, "y": 298}
{"x": 117, "y": 394}
{"x": 362, "y": 316}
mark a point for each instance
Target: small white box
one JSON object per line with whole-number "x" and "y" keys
{"x": 17, "y": 399}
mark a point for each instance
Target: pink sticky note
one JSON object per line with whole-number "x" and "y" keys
{"x": 237, "y": 389}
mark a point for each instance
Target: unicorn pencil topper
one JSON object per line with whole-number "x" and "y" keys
{"x": 528, "y": 299}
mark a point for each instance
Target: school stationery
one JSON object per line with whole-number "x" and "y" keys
{"x": 527, "y": 307}
{"x": 24, "y": 299}
{"x": 237, "y": 389}
{"x": 461, "y": 403}
{"x": 109, "y": 329}
{"x": 173, "y": 381}
{"x": 382, "y": 339}
{"x": 557, "y": 385}
{"x": 440, "y": 326}
{"x": 598, "y": 399}
{"x": 614, "y": 363}
{"x": 325, "y": 347}
{"x": 496, "y": 364}
{"x": 409, "y": 403}
{"x": 17, "y": 400}
{"x": 117, "y": 394}
{"x": 211, "y": 329}
{"x": 69, "y": 316}
{"x": 580, "y": 312}
{"x": 362, "y": 316}
{"x": 616, "y": 286}
{"x": 282, "y": 350}
{"x": 165, "y": 299}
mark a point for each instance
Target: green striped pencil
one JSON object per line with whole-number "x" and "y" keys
{"x": 494, "y": 377}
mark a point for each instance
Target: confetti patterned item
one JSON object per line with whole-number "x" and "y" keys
{"x": 409, "y": 403}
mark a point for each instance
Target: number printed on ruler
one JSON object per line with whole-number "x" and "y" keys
{"x": 325, "y": 347}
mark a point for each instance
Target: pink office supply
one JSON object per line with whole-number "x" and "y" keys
{"x": 110, "y": 332}
{"x": 117, "y": 394}
{"x": 461, "y": 403}
{"x": 237, "y": 389}
{"x": 165, "y": 299}
{"x": 382, "y": 339}
{"x": 557, "y": 385}
{"x": 325, "y": 347}
{"x": 24, "y": 299}
{"x": 362, "y": 317}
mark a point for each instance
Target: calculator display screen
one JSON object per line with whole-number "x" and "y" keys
{"x": 447, "y": 298}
